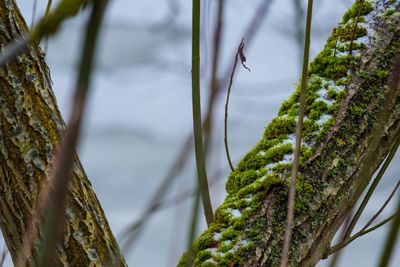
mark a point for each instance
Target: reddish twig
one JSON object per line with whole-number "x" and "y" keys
{"x": 239, "y": 54}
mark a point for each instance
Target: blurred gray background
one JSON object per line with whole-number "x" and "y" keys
{"x": 140, "y": 107}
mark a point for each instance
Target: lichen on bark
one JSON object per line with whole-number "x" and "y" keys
{"x": 30, "y": 130}
{"x": 352, "y": 117}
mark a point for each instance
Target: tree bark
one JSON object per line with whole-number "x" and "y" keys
{"x": 30, "y": 130}
{"x": 352, "y": 121}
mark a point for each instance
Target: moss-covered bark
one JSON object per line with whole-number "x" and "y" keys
{"x": 352, "y": 119}
{"x": 30, "y": 128}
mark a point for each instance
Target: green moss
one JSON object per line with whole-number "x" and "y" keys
{"x": 205, "y": 240}
{"x": 229, "y": 234}
{"x": 238, "y": 180}
{"x": 303, "y": 194}
{"x": 280, "y": 125}
{"x": 183, "y": 260}
{"x": 390, "y": 12}
{"x": 277, "y": 153}
{"x": 359, "y": 8}
{"x": 204, "y": 255}
{"x": 225, "y": 247}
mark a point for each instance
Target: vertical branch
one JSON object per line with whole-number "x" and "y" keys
{"x": 299, "y": 128}
{"x": 64, "y": 160}
{"x": 193, "y": 227}
{"x": 197, "y": 127}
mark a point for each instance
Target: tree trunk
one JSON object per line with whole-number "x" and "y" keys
{"x": 30, "y": 128}
{"x": 352, "y": 121}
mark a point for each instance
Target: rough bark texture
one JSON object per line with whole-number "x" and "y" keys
{"x": 352, "y": 120}
{"x": 30, "y": 128}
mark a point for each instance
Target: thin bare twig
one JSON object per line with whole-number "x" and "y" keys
{"x": 299, "y": 128}
{"x": 240, "y": 54}
{"x": 383, "y": 207}
{"x": 344, "y": 243}
{"x": 376, "y": 215}
{"x": 250, "y": 33}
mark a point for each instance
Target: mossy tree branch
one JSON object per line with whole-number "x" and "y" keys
{"x": 352, "y": 121}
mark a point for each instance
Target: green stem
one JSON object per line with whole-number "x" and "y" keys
{"x": 391, "y": 238}
{"x": 193, "y": 228}
{"x": 197, "y": 127}
{"x": 344, "y": 243}
{"x": 383, "y": 207}
{"x": 372, "y": 189}
{"x": 299, "y": 128}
